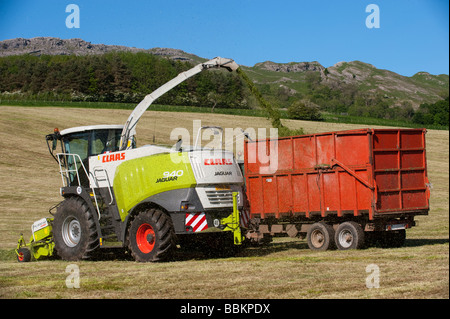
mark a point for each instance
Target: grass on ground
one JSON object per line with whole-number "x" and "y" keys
{"x": 30, "y": 184}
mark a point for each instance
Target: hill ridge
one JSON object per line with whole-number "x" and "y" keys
{"x": 289, "y": 78}
{"x": 75, "y": 46}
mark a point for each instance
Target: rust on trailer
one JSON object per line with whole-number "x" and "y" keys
{"x": 366, "y": 172}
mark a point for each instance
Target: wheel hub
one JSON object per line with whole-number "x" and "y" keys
{"x": 345, "y": 238}
{"x": 145, "y": 238}
{"x": 71, "y": 231}
{"x": 317, "y": 238}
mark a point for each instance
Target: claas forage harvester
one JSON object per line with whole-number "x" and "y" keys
{"x": 146, "y": 199}
{"x": 338, "y": 190}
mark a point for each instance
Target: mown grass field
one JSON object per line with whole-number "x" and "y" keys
{"x": 30, "y": 183}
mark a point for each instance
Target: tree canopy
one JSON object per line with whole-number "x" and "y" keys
{"x": 116, "y": 77}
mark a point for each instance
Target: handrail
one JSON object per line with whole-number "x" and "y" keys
{"x": 100, "y": 169}
{"x": 65, "y": 173}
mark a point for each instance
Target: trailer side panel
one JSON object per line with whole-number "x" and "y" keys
{"x": 358, "y": 172}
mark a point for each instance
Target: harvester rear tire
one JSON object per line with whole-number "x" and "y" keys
{"x": 151, "y": 236}
{"x": 74, "y": 230}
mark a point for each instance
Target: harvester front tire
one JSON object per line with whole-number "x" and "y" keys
{"x": 151, "y": 236}
{"x": 74, "y": 230}
{"x": 23, "y": 255}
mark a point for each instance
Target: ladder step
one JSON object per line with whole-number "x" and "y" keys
{"x": 109, "y": 236}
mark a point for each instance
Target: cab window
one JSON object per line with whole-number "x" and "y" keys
{"x": 85, "y": 144}
{"x": 105, "y": 141}
{"x": 76, "y": 143}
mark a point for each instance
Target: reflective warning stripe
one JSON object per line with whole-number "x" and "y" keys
{"x": 245, "y": 217}
{"x": 197, "y": 221}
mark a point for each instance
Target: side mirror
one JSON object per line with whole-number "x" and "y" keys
{"x": 54, "y": 139}
{"x": 178, "y": 145}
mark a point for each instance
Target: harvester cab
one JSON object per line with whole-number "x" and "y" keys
{"x": 81, "y": 143}
{"x": 146, "y": 199}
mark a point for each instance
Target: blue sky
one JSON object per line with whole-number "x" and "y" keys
{"x": 413, "y": 34}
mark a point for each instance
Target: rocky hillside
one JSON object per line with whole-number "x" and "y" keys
{"x": 282, "y": 82}
{"x": 56, "y": 46}
{"x": 294, "y": 77}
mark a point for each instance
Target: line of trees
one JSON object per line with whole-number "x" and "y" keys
{"x": 128, "y": 77}
{"x": 115, "y": 77}
{"x": 435, "y": 114}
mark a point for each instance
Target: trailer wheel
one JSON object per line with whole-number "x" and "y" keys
{"x": 349, "y": 235}
{"x": 320, "y": 236}
{"x": 23, "y": 255}
{"x": 151, "y": 236}
{"x": 74, "y": 230}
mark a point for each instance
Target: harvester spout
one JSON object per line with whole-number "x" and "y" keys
{"x": 228, "y": 64}
{"x": 128, "y": 132}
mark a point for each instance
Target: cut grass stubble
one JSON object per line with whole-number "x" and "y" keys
{"x": 284, "y": 269}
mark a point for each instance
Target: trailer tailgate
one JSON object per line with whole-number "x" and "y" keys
{"x": 400, "y": 171}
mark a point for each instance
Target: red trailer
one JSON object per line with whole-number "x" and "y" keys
{"x": 337, "y": 188}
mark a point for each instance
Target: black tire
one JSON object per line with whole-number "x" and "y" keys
{"x": 393, "y": 239}
{"x": 320, "y": 236}
{"x": 349, "y": 235}
{"x": 24, "y": 255}
{"x": 74, "y": 230}
{"x": 151, "y": 236}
